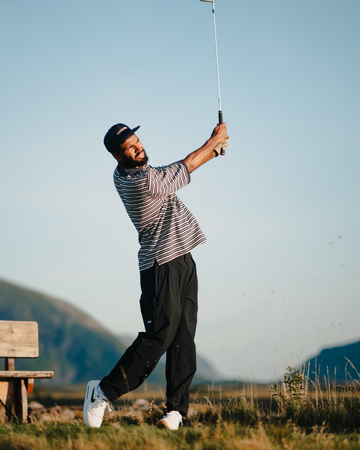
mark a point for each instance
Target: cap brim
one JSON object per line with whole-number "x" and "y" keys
{"x": 131, "y": 132}
{"x": 134, "y": 129}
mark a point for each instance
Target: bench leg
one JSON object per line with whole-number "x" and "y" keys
{"x": 23, "y": 402}
{"x": 13, "y": 394}
{"x": 4, "y": 386}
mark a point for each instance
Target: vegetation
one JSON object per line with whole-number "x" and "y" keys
{"x": 222, "y": 436}
{"x": 307, "y": 404}
{"x": 301, "y": 415}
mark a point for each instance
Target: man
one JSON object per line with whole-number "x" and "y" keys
{"x": 168, "y": 232}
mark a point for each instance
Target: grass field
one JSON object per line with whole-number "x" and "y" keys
{"x": 296, "y": 416}
{"x": 221, "y": 436}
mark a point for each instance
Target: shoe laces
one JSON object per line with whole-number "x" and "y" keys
{"x": 109, "y": 408}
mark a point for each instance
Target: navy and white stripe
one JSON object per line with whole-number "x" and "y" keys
{"x": 166, "y": 227}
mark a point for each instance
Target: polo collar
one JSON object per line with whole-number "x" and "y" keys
{"x": 124, "y": 172}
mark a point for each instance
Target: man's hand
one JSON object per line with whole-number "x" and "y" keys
{"x": 219, "y": 133}
{"x": 221, "y": 146}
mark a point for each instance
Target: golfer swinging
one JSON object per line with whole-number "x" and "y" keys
{"x": 168, "y": 232}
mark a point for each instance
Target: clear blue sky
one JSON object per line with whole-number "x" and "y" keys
{"x": 279, "y": 276}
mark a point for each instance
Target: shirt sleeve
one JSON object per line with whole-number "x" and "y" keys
{"x": 168, "y": 179}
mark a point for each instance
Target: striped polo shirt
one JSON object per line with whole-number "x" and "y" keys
{"x": 166, "y": 227}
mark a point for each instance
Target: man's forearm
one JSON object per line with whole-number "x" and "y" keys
{"x": 206, "y": 152}
{"x": 201, "y": 156}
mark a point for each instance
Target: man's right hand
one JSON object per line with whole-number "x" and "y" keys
{"x": 220, "y": 133}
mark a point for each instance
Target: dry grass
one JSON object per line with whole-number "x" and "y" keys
{"x": 302, "y": 415}
{"x": 120, "y": 435}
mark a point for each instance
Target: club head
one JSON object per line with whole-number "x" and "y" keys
{"x": 210, "y": 1}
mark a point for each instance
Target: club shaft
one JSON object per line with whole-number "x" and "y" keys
{"x": 222, "y": 152}
{"x": 217, "y": 58}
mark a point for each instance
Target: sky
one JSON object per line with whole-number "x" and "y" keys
{"x": 279, "y": 275}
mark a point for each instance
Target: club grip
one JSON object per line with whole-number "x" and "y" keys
{"x": 221, "y": 121}
{"x": 220, "y": 117}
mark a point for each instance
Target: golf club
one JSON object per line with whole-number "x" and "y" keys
{"x": 217, "y": 67}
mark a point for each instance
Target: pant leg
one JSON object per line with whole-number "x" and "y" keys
{"x": 181, "y": 355}
{"x": 161, "y": 311}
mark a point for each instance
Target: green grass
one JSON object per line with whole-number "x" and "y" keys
{"x": 305, "y": 416}
{"x": 222, "y": 436}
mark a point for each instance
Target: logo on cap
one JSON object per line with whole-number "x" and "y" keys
{"x": 120, "y": 131}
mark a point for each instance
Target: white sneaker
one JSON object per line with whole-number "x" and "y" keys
{"x": 171, "y": 420}
{"x": 95, "y": 405}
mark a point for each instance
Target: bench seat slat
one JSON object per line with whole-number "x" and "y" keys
{"x": 25, "y": 374}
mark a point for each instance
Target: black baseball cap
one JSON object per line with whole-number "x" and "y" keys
{"x": 117, "y": 135}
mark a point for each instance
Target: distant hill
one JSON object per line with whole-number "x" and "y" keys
{"x": 331, "y": 360}
{"x": 72, "y": 344}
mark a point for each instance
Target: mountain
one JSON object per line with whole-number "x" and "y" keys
{"x": 71, "y": 343}
{"x": 333, "y": 364}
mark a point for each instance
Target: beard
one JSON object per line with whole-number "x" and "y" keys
{"x": 130, "y": 163}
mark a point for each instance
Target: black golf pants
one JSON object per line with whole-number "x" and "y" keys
{"x": 169, "y": 309}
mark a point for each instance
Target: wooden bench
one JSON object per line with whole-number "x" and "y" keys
{"x": 18, "y": 340}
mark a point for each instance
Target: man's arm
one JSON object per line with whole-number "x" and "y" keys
{"x": 206, "y": 152}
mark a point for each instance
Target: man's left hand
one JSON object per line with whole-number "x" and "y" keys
{"x": 222, "y": 145}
